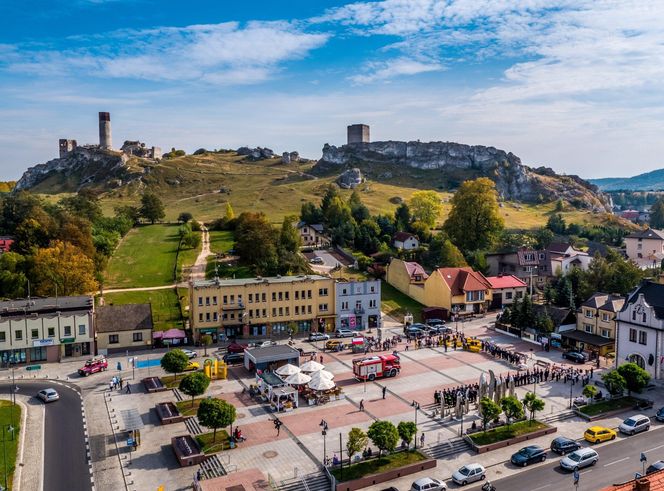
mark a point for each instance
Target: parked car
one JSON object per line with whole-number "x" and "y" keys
{"x": 317, "y": 260}
{"x": 440, "y": 329}
{"x": 660, "y": 414}
{"x": 233, "y": 358}
{"x": 415, "y": 330}
{"x": 334, "y": 345}
{"x": 318, "y": 336}
{"x": 344, "y": 333}
{"x": 428, "y": 484}
{"x": 190, "y": 353}
{"x": 236, "y": 348}
{"x": 529, "y": 455}
{"x": 635, "y": 424}
{"x": 469, "y": 473}
{"x": 48, "y": 395}
{"x": 575, "y": 356}
{"x": 644, "y": 404}
{"x": 596, "y": 434}
{"x": 194, "y": 365}
{"x": 562, "y": 445}
{"x": 655, "y": 466}
{"x": 579, "y": 459}
{"x": 435, "y": 322}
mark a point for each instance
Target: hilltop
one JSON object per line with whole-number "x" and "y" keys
{"x": 649, "y": 181}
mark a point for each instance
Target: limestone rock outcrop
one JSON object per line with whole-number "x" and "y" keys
{"x": 258, "y": 153}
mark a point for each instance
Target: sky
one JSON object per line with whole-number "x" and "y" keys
{"x": 576, "y": 85}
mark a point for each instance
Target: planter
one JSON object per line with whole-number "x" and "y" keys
{"x": 511, "y": 441}
{"x": 607, "y": 414}
{"x": 387, "y": 476}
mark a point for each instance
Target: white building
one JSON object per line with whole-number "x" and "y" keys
{"x": 640, "y": 329}
{"x": 405, "y": 241}
{"x": 313, "y": 235}
{"x": 358, "y": 304}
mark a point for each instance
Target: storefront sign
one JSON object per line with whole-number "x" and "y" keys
{"x": 208, "y": 330}
{"x": 43, "y": 342}
{"x": 67, "y": 340}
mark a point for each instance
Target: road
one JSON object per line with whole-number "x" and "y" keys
{"x": 65, "y": 463}
{"x": 618, "y": 462}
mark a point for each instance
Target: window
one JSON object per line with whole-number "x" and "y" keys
{"x": 264, "y": 313}
{"x": 297, "y": 310}
{"x": 606, "y": 333}
{"x": 214, "y": 300}
{"x": 200, "y": 300}
{"x": 543, "y": 269}
{"x": 508, "y": 295}
{"x": 588, "y": 313}
{"x": 67, "y": 331}
{"x": 113, "y": 339}
{"x": 519, "y": 294}
{"x": 322, "y": 292}
{"x": 281, "y": 296}
{"x": 251, "y": 298}
{"x": 81, "y": 329}
{"x": 286, "y": 295}
{"x": 358, "y": 304}
{"x": 308, "y": 293}
{"x": 372, "y": 289}
{"x": 633, "y": 315}
{"x": 541, "y": 256}
{"x": 215, "y": 316}
{"x": 225, "y": 299}
{"x": 224, "y": 317}
{"x": 639, "y": 247}
{"x": 643, "y": 337}
{"x": 344, "y": 291}
{"x": 308, "y": 309}
{"x": 287, "y": 311}
{"x": 239, "y": 299}
{"x": 251, "y": 314}
{"x": 200, "y": 317}
{"x": 274, "y": 296}
{"x": 632, "y": 335}
{"x": 233, "y": 316}
{"x": 263, "y": 297}
{"x": 474, "y": 296}
{"x": 372, "y": 304}
{"x": 344, "y": 305}
{"x": 274, "y": 311}
{"x": 529, "y": 256}
{"x": 207, "y": 317}
{"x": 138, "y": 337}
{"x": 232, "y": 298}
{"x": 605, "y": 317}
{"x": 34, "y": 333}
{"x": 588, "y": 328}
{"x": 3, "y": 337}
{"x": 322, "y": 307}
{"x": 281, "y": 311}
{"x": 207, "y": 300}
{"x": 51, "y": 332}
{"x": 644, "y": 317}
{"x": 297, "y": 294}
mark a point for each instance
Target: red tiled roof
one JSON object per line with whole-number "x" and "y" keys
{"x": 505, "y": 281}
{"x": 414, "y": 268}
{"x": 402, "y": 236}
{"x": 655, "y": 482}
{"x": 462, "y": 280}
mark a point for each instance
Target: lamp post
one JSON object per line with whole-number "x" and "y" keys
{"x": 570, "y": 395}
{"x": 341, "y": 458}
{"x": 323, "y": 425}
{"x": 4, "y": 448}
{"x": 416, "y": 405}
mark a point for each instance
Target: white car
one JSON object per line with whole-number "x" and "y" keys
{"x": 469, "y": 473}
{"x": 428, "y": 484}
{"x": 578, "y": 459}
{"x": 190, "y": 353}
{"x": 48, "y": 395}
{"x": 635, "y": 424}
{"x": 344, "y": 333}
{"x": 318, "y": 336}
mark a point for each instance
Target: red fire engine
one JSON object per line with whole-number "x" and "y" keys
{"x": 373, "y": 367}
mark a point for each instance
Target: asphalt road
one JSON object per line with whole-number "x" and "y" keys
{"x": 65, "y": 463}
{"x": 618, "y": 462}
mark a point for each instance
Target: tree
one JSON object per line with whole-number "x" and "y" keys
{"x": 64, "y": 267}
{"x": 543, "y": 238}
{"x": 590, "y": 391}
{"x": 406, "y": 430}
{"x": 565, "y": 293}
{"x": 185, "y": 217}
{"x": 560, "y": 205}
{"x": 425, "y": 207}
{"x": 331, "y": 193}
{"x": 657, "y": 214}
{"x": 194, "y": 384}
{"x": 85, "y": 205}
{"x": 384, "y": 435}
{"x": 489, "y": 411}
{"x": 206, "y": 340}
{"x": 556, "y": 223}
{"x": 474, "y": 221}
{"x": 533, "y": 404}
{"x": 13, "y": 281}
{"x": 614, "y": 382}
{"x": 289, "y": 237}
{"x": 402, "y": 218}
{"x": 442, "y": 253}
{"x": 152, "y": 208}
{"x": 215, "y": 413}
{"x": 131, "y": 213}
{"x": 310, "y": 213}
{"x": 256, "y": 243}
{"x": 636, "y": 378}
{"x": 357, "y": 208}
{"x": 175, "y": 361}
{"x": 191, "y": 240}
{"x": 512, "y": 408}
{"x": 229, "y": 214}
{"x": 357, "y": 441}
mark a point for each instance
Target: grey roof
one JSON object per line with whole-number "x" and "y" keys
{"x": 272, "y": 353}
{"x": 45, "y": 305}
{"x": 130, "y": 317}
{"x": 587, "y": 338}
{"x": 558, "y": 247}
{"x": 258, "y": 280}
{"x": 649, "y": 233}
{"x": 604, "y": 301}
{"x": 653, "y": 294}
{"x": 559, "y": 315}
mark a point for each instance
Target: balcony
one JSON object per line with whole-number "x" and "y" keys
{"x": 233, "y": 306}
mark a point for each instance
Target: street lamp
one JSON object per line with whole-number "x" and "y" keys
{"x": 416, "y": 405}
{"x": 323, "y": 425}
{"x": 4, "y": 448}
{"x": 570, "y": 395}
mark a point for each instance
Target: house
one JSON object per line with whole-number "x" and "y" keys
{"x": 631, "y": 215}
{"x": 407, "y": 277}
{"x": 640, "y": 329}
{"x": 506, "y": 288}
{"x": 645, "y": 247}
{"x": 458, "y": 290}
{"x": 596, "y": 324}
{"x": 313, "y": 235}
{"x": 405, "y": 241}
{"x": 651, "y": 482}
{"x": 123, "y": 327}
{"x": 6, "y": 242}
{"x": 358, "y": 304}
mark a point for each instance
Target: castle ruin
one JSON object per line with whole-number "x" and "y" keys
{"x": 67, "y": 147}
{"x": 358, "y": 133}
{"x": 105, "y": 139}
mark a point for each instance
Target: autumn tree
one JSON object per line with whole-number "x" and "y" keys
{"x": 425, "y": 207}
{"x": 229, "y": 214}
{"x": 65, "y": 267}
{"x": 152, "y": 209}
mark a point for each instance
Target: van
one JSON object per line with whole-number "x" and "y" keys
{"x": 635, "y": 424}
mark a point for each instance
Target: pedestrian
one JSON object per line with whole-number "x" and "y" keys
{"x": 128, "y": 391}
{"x": 121, "y": 382}
{"x": 199, "y": 474}
{"x": 110, "y": 386}
{"x": 321, "y": 359}
{"x": 422, "y": 440}
{"x": 362, "y": 405}
{"x": 277, "y": 425}
{"x": 384, "y": 391}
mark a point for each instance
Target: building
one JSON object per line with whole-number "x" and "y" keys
{"x": 261, "y": 307}
{"x": 123, "y": 327}
{"x": 270, "y": 357}
{"x": 596, "y": 324}
{"x": 651, "y": 482}
{"x": 458, "y": 290}
{"x": 505, "y": 289}
{"x": 640, "y": 329}
{"x": 66, "y": 147}
{"x": 405, "y": 241}
{"x": 646, "y": 247}
{"x": 407, "y": 277}
{"x": 46, "y": 329}
{"x": 358, "y": 304}
{"x": 313, "y": 235}
{"x": 358, "y": 133}
{"x": 6, "y": 242}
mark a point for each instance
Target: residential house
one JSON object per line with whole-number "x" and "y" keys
{"x": 631, "y": 215}
{"x": 405, "y": 241}
{"x": 313, "y": 235}
{"x": 358, "y": 304}
{"x": 261, "y": 307}
{"x": 596, "y": 324}
{"x": 505, "y": 289}
{"x": 640, "y": 329}
{"x": 458, "y": 290}
{"x": 651, "y": 482}
{"x": 645, "y": 247}
{"x": 6, "y": 242}
{"x": 123, "y": 327}
{"x": 407, "y": 277}
{"x": 46, "y": 329}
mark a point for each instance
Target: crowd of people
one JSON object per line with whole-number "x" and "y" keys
{"x": 504, "y": 354}
{"x": 450, "y": 395}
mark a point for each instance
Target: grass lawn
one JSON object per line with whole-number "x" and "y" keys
{"x": 221, "y": 241}
{"x": 396, "y": 304}
{"x": 210, "y": 446}
{"x": 224, "y": 270}
{"x": 185, "y": 407}
{"x": 172, "y": 383}
{"x": 606, "y": 406}
{"x": 187, "y": 257}
{"x": 165, "y": 305}
{"x": 11, "y": 443}
{"x": 145, "y": 257}
{"x": 504, "y": 432}
{"x": 374, "y": 466}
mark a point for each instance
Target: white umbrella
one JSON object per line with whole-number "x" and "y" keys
{"x": 287, "y": 370}
{"x": 323, "y": 374}
{"x": 298, "y": 378}
{"x": 321, "y": 384}
{"x": 312, "y": 366}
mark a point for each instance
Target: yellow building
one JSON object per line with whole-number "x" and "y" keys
{"x": 645, "y": 247}
{"x": 407, "y": 277}
{"x": 596, "y": 324}
{"x": 261, "y": 307}
{"x": 123, "y": 327}
{"x": 458, "y": 290}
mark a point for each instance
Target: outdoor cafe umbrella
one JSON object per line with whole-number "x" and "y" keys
{"x": 287, "y": 370}
{"x": 321, "y": 384}
{"x": 312, "y": 366}
{"x": 298, "y": 378}
{"x": 323, "y": 374}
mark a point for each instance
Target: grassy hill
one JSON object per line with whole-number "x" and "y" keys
{"x": 650, "y": 181}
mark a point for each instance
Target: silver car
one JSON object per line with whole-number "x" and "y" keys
{"x": 469, "y": 473}
{"x": 635, "y": 424}
{"x": 578, "y": 459}
{"x": 428, "y": 484}
{"x": 48, "y": 395}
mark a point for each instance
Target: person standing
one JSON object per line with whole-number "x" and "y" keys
{"x": 362, "y": 405}
{"x": 422, "y": 440}
{"x": 384, "y": 391}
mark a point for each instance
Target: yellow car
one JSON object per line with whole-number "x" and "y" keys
{"x": 333, "y": 344}
{"x": 596, "y": 434}
{"x": 192, "y": 365}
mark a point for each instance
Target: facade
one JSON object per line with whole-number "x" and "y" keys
{"x": 261, "y": 307}
{"x": 458, "y": 290}
{"x": 46, "y": 329}
{"x": 358, "y": 304}
{"x": 505, "y": 289}
{"x": 405, "y": 241}
{"x": 596, "y": 324}
{"x": 123, "y": 327}
{"x": 407, "y": 277}
{"x": 313, "y": 235}
{"x": 646, "y": 247}
{"x": 66, "y": 147}
{"x": 640, "y": 329}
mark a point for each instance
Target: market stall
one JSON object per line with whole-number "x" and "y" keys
{"x": 270, "y": 357}
{"x": 284, "y": 399}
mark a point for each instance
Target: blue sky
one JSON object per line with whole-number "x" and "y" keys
{"x": 572, "y": 84}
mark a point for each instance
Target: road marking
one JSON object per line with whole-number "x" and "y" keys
{"x": 542, "y": 487}
{"x": 616, "y": 461}
{"x": 654, "y": 448}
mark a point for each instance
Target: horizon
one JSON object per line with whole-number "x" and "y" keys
{"x": 574, "y": 86}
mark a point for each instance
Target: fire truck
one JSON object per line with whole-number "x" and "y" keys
{"x": 373, "y": 367}
{"x": 93, "y": 365}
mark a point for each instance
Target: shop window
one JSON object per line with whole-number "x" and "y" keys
{"x": 113, "y": 339}
{"x": 37, "y": 354}
{"x": 138, "y": 337}
{"x": 81, "y": 329}
{"x": 3, "y": 337}
{"x": 51, "y": 332}
{"x": 18, "y": 335}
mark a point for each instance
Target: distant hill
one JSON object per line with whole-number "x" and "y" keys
{"x": 650, "y": 181}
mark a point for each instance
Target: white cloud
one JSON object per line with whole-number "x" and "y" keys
{"x": 377, "y": 71}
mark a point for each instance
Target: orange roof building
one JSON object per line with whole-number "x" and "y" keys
{"x": 651, "y": 482}
{"x": 459, "y": 290}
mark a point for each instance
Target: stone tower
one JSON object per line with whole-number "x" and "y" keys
{"x": 358, "y": 133}
{"x": 66, "y": 147}
{"x": 105, "y": 140}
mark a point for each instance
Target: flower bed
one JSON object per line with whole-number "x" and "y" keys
{"x": 606, "y": 408}
{"x": 508, "y": 435}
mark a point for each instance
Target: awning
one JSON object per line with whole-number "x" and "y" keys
{"x": 174, "y": 334}
{"x": 587, "y": 338}
{"x": 131, "y": 419}
{"x": 271, "y": 379}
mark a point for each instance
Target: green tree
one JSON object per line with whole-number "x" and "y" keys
{"x": 194, "y": 384}
{"x": 489, "y": 411}
{"x": 85, "y": 204}
{"x": 512, "y": 408}
{"x": 533, "y": 404}
{"x": 185, "y": 217}
{"x": 289, "y": 237}
{"x": 590, "y": 391}
{"x": 407, "y": 430}
{"x": 556, "y": 223}
{"x": 614, "y": 382}
{"x": 206, "y": 340}
{"x": 560, "y": 206}
{"x": 543, "y": 238}
{"x": 174, "y": 361}
{"x": 256, "y": 243}
{"x": 442, "y": 253}
{"x": 13, "y": 281}
{"x": 331, "y": 193}
{"x": 565, "y": 293}
{"x": 191, "y": 240}
{"x": 384, "y": 435}
{"x": 357, "y": 441}
{"x": 310, "y": 213}
{"x": 474, "y": 221}
{"x": 402, "y": 218}
{"x": 425, "y": 207}
{"x": 215, "y": 414}
{"x": 152, "y": 209}
{"x": 358, "y": 209}
{"x": 636, "y": 378}
{"x": 657, "y": 214}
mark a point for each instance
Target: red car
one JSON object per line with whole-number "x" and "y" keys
{"x": 94, "y": 365}
{"x": 236, "y": 348}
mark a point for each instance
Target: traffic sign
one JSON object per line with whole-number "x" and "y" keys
{"x": 131, "y": 442}
{"x": 643, "y": 457}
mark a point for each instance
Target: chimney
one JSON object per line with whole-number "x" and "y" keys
{"x": 642, "y": 484}
{"x": 105, "y": 139}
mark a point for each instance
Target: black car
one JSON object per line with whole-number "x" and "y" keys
{"x": 660, "y": 414}
{"x": 233, "y": 358}
{"x": 655, "y": 466}
{"x": 563, "y": 445}
{"x": 529, "y": 455}
{"x": 435, "y": 322}
{"x": 575, "y": 356}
